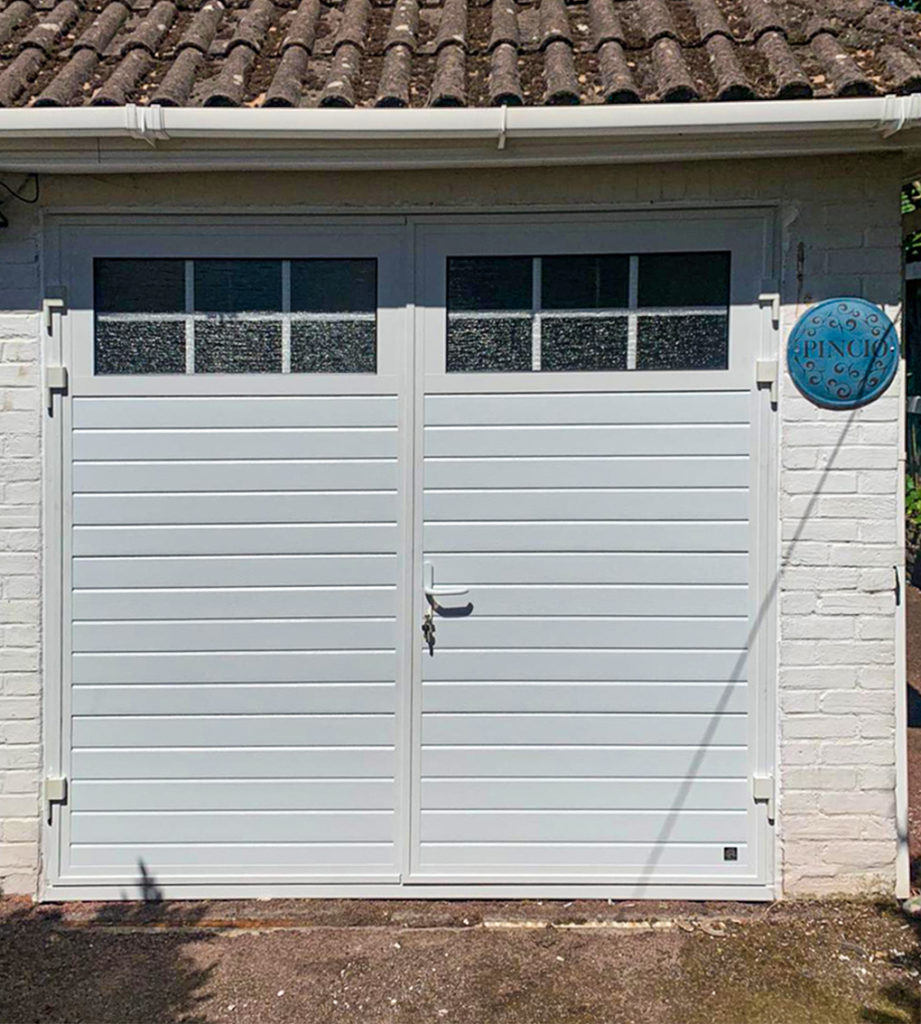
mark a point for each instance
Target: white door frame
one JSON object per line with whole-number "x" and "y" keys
{"x": 277, "y": 236}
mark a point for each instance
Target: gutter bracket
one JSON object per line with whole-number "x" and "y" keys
{"x": 146, "y": 124}
{"x": 503, "y": 126}
{"x": 899, "y": 112}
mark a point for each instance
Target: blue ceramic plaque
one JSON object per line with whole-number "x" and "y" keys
{"x": 843, "y": 353}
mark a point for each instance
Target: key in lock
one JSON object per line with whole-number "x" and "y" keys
{"x": 428, "y": 630}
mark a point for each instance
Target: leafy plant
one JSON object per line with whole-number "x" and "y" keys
{"x": 913, "y": 500}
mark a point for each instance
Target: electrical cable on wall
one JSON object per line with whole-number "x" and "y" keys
{"x": 17, "y": 194}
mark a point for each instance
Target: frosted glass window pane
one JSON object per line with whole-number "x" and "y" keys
{"x": 682, "y": 343}
{"x": 232, "y": 346}
{"x": 139, "y": 286}
{"x": 684, "y": 279}
{"x": 334, "y": 286}
{"x": 585, "y": 282}
{"x": 139, "y": 346}
{"x": 484, "y": 284}
{"x": 238, "y": 286}
{"x": 584, "y": 343}
{"x": 489, "y": 344}
{"x": 333, "y": 346}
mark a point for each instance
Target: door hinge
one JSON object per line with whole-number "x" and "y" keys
{"x": 55, "y": 382}
{"x": 55, "y": 792}
{"x": 766, "y": 374}
{"x": 763, "y": 792}
{"x": 52, "y": 304}
{"x": 770, "y": 296}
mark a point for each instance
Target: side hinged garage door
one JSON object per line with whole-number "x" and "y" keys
{"x": 234, "y": 485}
{"x": 422, "y": 557}
{"x": 596, "y": 511}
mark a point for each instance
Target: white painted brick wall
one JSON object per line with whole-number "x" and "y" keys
{"x": 20, "y": 489}
{"x": 838, "y": 475}
{"x": 840, "y": 536}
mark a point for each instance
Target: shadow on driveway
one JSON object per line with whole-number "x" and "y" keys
{"x": 115, "y": 962}
{"x": 404, "y": 962}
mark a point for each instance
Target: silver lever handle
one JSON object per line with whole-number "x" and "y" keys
{"x": 428, "y": 584}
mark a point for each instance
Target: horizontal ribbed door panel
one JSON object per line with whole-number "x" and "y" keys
{"x": 234, "y": 637}
{"x": 585, "y": 712}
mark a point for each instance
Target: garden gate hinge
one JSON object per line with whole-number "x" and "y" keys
{"x": 763, "y": 792}
{"x": 55, "y": 381}
{"x": 55, "y": 792}
{"x": 767, "y": 372}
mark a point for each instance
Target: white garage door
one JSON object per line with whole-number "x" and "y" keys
{"x": 587, "y": 710}
{"x": 265, "y": 505}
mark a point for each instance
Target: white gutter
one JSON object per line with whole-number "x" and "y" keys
{"x": 155, "y": 138}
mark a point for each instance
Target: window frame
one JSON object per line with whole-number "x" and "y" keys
{"x": 744, "y": 233}
{"x": 632, "y": 313}
{"x": 191, "y": 315}
{"x": 382, "y": 239}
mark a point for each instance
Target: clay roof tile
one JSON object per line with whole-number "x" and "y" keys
{"x": 451, "y": 52}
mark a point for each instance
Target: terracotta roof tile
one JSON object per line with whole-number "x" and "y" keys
{"x": 175, "y": 88}
{"x": 393, "y": 89}
{"x": 504, "y": 78}
{"x": 12, "y": 16}
{"x": 407, "y": 53}
{"x": 74, "y": 78}
{"x": 904, "y": 71}
{"x": 657, "y": 21}
{"x": 732, "y": 83}
{"x": 149, "y": 32}
{"x": 710, "y": 19}
{"x": 200, "y": 32}
{"x": 504, "y": 19}
{"x": 763, "y": 17}
{"x": 842, "y": 72}
{"x": 790, "y": 81}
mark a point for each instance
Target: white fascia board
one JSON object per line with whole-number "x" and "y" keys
{"x": 134, "y": 138}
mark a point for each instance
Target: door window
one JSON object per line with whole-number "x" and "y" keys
{"x": 667, "y": 311}
{"x": 235, "y": 316}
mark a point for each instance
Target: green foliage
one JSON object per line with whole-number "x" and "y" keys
{"x": 910, "y": 5}
{"x": 911, "y": 201}
{"x": 912, "y": 246}
{"x": 912, "y": 500}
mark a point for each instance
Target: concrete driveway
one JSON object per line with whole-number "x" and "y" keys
{"x": 459, "y": 963}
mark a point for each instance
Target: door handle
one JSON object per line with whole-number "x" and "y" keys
{"x": 428, "y": 584}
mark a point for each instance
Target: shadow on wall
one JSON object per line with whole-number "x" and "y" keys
{"x": 52, "y": 971}
{"x": 740, "y": 669}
